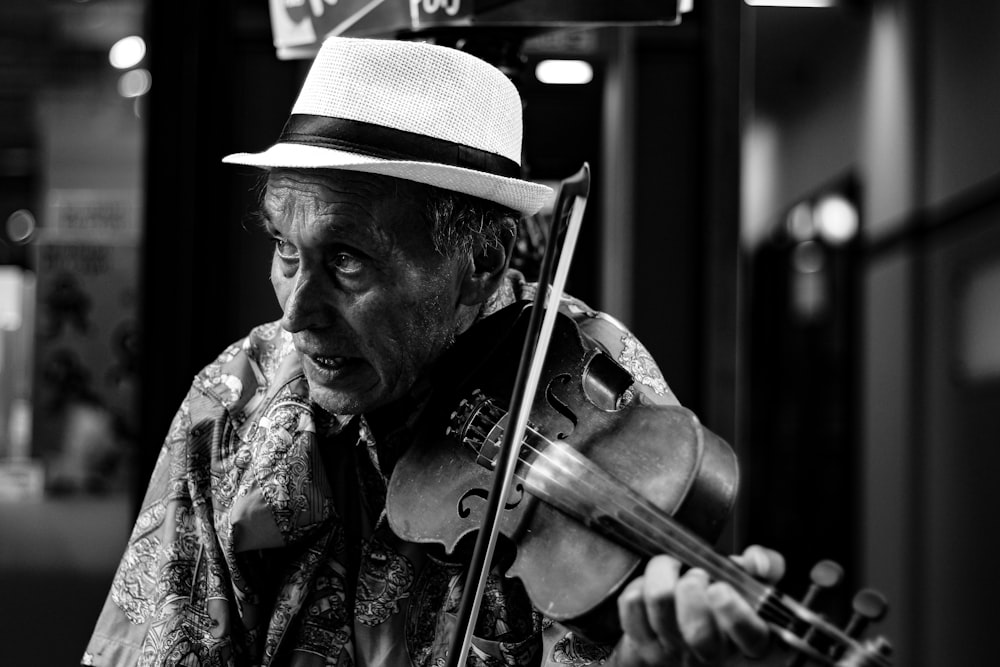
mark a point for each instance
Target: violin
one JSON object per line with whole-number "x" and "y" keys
{"x": 578, "y": 531}
{"x": 587, "y": 430}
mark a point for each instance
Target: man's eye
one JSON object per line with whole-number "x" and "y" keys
{"x": 286, "y": 250}
{"x": 347, "y": 263}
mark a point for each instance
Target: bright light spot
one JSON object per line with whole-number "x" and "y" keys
{"x": 685, "y": 6}
{"x": 807, "y": 257}
{"x": 836, "y": 219}
{"x": 978, "y": 322}
{"x": 564, "y": 71}
{"x": 11, "y": 298}
{"x": 799, "y": 223}
{"x": 134, "y": 83}
{"x": 21, "y": 226}
{"x": 791, "y": 3}
{"x": 127, "y": 52}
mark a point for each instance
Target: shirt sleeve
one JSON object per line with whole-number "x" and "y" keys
{"x": 170, "y": 591}
{"x": 162, "y": 538}
{"x": 561, "y": 647}
{"x": 206, "y": 577}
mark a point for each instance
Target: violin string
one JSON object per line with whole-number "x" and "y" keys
{"x": 717, "y": 565}
{"x": 689, "y": 550}
{"x": 574, "y": 490}
{"x": 770, "y": 605}
{"x": 666, "y": 532}
{"x": 728, "y": 571}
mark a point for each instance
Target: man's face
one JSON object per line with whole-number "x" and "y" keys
{"x": 368, "y": 300}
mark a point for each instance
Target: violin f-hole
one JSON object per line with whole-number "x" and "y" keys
{"x": 513, "y": 500}
{"x": 559, "y": 405}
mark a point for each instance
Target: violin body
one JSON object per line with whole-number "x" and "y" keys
{"x": 560, "y": 515}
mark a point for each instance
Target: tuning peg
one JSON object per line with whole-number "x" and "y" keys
{"x": 869, "y": 605}
{"x": 824, "y": 575}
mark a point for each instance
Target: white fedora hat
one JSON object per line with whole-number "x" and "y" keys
{"x": 412, "y": 110}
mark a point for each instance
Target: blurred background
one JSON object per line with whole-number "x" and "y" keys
{"x": 796, "y": 209}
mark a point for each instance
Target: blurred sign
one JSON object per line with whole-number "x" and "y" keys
{"x": 11, "y": 298}
{"x": 92, "y": 214}
{"x": 299, "y": 26}
{"x": 21, "y": 479}
{"x": 17, "y": 298}
{"x": 87, "y": 294}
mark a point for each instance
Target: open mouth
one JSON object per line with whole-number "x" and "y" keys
{"x": 333, "y": 368}
{"x": 331, "y": 363}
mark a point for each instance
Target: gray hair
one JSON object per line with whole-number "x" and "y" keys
{"x": 460, "y": 223}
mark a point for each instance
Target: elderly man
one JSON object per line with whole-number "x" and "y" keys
{"x": 391, "y": 198}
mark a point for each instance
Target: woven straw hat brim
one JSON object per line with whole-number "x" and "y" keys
{"x": 524, "y": 197}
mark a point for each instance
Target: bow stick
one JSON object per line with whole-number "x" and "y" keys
{"x": 570, "y": 205}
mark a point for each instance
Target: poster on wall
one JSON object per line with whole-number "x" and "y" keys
{"x": 85, "y": 370}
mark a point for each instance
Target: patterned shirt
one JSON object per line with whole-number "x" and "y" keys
{"x": 262, "y": 538}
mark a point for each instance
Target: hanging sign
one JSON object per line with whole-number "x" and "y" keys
{"x": 299, "y": 26}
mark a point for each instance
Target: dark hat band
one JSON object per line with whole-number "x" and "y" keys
{"x": 389, "y": 143}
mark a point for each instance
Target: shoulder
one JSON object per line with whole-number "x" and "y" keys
{"x": 606, "y": 331}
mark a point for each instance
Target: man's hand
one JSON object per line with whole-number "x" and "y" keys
{"x": 668, "y": 619}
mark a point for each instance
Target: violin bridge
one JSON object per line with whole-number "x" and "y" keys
{"x": 479, "y": 424}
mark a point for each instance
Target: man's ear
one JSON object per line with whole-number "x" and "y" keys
{"x": 486, "y": 271}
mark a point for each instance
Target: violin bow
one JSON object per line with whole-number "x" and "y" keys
{"x": 566, "y": 221}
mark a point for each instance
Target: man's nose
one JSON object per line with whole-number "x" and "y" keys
{"x": 304, "y": 306}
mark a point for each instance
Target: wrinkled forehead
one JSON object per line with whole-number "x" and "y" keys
{"x": 386, "y": 205}
{"x": 290, "y": 184}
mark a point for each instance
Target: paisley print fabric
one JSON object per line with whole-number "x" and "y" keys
{"x": 385, "y": 579}
{"x": 508, "y": 631}
{"x": 134, "y": 583}
{"x": 259, "y": 543}
{"x": 576, "y": 651}
{"x": 637, "y": 360}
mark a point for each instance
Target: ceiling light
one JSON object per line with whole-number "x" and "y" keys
{"x": 134, "y": 83}
{"x": 800, "y": 224}
{"x": 807, "y": 257}
{"x": 791, "y": 3}
{"x": 21, "y": 226}
{"x": 127, "y": 52}
{"x": 836, "y": 219}
{"x": 564, "y": 71}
